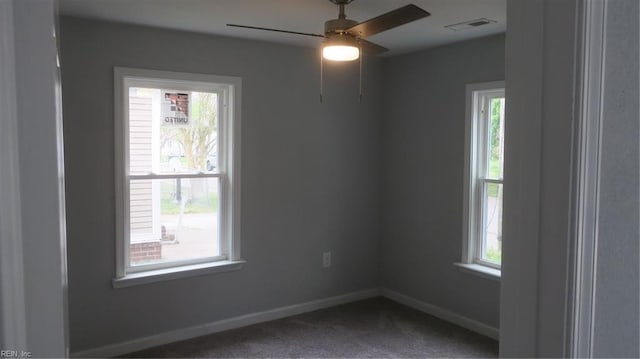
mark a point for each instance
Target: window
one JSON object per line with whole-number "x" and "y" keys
{"x": 484, "y": 169}
{"x": 177, "y": 174}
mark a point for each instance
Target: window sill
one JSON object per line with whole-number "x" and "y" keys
{"x": 479, "y": 270}
{"x": 161, "y": 275}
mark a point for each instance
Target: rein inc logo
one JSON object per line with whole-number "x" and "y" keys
{"x": 15, "y": 354}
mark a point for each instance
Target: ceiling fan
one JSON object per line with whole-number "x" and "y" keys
{"x": 345, "y": 38}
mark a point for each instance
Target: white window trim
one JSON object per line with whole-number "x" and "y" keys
{"x": 230, "y": 225}
{"x": 470, "y": 249}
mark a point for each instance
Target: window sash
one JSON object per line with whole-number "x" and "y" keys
{"x": 481, "y": 222}
{"x": 484, "y": 133}
{"x": 223, "y": 96}
{"x": 222, "y": 214}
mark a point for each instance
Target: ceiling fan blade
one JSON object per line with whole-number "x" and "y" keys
{"x": 370, "y": 48}
{"x": 384, "y": 22}
{"x": 277, "y": 30}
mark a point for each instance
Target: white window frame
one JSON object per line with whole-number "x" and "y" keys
{"x": 473, "y": 216}
{"x": 228, "y": 173}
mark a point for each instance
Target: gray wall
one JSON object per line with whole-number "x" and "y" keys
{"x": 424, "y": 124}
{"x": 310, "y": 180}
{"x": 616, "y": 315}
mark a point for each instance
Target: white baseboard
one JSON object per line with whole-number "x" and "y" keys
{"x": 442, "y": 313}
{"x": 222, "y": 325}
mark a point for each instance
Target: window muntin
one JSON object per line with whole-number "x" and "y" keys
{"x": 175, "y": 169}
{"x": 485, "y": 171}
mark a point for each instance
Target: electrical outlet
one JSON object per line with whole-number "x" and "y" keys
{"x": 326, "y": 259}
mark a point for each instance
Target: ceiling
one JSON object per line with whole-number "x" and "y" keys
{"x": 211, "y": 16}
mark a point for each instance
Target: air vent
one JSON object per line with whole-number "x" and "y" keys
{"x": 471, "y": 24}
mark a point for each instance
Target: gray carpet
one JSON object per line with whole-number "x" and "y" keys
{"x": 374, "y": 328}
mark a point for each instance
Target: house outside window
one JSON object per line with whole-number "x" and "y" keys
{"x": 177, "y": 173}
{"x": 484, "y": 173}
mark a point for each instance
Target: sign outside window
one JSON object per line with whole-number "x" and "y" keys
{"x": 175, "y": 108}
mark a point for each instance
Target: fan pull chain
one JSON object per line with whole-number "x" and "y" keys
{"x": 321, "y": 74}
{"x": 361, "y": 57}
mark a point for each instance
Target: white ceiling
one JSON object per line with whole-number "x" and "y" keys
{"x": 211, "y": 16}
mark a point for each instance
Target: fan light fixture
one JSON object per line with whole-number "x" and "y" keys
{"x": 340, "y": 47}
{"x": 340, "y": 52}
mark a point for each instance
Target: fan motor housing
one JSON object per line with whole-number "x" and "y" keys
{"x": 343, "y": 39}
{"x": 338, "y": 25}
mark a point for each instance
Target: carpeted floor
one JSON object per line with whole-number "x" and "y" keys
{"x": 373, "y": 328}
